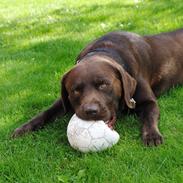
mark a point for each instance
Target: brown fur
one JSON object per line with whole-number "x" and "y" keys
{"x": 119, "y": 69}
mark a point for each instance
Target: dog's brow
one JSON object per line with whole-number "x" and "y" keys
{"x": 77, "y": 86}
{"x": 101, "y": 80}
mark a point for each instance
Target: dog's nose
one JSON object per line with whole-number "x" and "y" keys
{"x": 91, "y": 109}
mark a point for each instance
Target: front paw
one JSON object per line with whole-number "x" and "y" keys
{"x": 20, "y": 131}
{"x": 152, "y": 137}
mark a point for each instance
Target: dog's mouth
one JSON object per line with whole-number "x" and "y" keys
{"x": 106, "y": 115}
{"x": 111, "y": 122}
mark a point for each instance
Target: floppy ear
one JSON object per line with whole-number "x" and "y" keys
{"x": 128, "y": 85}
{"x": 64, "y": 94}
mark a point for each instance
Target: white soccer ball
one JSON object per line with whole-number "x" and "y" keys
{"x": 88, "y": 136}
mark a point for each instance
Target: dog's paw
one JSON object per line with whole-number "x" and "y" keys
{"x": 20, "y": 131}
{"x": 152, "y": 137}
{"x": 17, "y": 132}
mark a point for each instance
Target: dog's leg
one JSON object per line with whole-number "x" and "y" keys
{"x": 148, "y": 111}
{"x": 56, "y": 110}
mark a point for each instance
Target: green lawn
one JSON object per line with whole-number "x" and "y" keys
{"x": 39, "y": 41}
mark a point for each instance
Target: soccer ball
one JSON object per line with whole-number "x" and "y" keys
{"x": 87, "y": 136}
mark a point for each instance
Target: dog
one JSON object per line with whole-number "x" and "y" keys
{"x": 117, "y": 71}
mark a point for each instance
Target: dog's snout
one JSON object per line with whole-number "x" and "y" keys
{"x": 91, "y": 109}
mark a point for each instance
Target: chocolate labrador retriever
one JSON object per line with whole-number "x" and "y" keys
{"x": 117, "y": 71}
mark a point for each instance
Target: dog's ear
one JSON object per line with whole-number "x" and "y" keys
{"x": 128, "y": 85}
{"x": 64, "y": 93}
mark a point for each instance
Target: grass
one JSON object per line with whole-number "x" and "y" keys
{"x": 39, "y": 41}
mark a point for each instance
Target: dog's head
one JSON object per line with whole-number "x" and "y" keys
{"x": 95, "y": 86}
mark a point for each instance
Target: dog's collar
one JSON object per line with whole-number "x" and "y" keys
{"x": 108, "y": 53}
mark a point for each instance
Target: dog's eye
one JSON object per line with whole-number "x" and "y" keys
{"x": 102, "y": 86}
{"x": 76, "y": 92}
{"x": 77, "y": 89}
